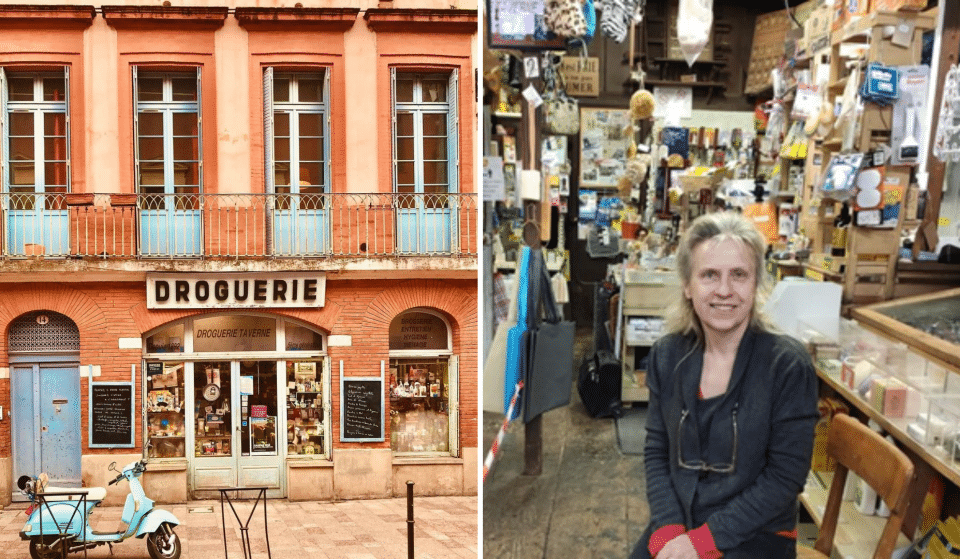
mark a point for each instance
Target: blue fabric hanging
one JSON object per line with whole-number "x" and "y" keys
{"x": 512, "y": 373}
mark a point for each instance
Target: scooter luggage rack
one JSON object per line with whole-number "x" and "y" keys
{"x": 79, "y": 508}
{"x": 244, "y": 526}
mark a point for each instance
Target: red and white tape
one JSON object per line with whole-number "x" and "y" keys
{"x": 492, "y": 455}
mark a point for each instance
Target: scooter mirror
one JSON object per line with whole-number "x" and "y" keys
{"x": 112, "y": 467}
{"x": 22, "y": 482}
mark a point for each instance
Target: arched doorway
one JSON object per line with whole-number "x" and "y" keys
{"x": 44, "y": 351}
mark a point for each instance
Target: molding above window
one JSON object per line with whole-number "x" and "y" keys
{"x": 421, "y": 20}
{"x": 331, "y": 19}
{"x": 60, "y": 14}
{"x": 195, "y": 16}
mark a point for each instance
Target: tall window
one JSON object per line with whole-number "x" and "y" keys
{"x": 36, "y": 141}
{"x": 425, "y": 132}
{"x": 168, "y": 148}
{"x": 299, "y": 126}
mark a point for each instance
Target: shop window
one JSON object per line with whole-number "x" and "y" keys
{"x": 168, "y": 340}
{"x": 258, "y": 408}
{"x": 212, "y": 417}
{"x": 306, "y": 410}
{"x": 165, "y": 409}
{"x": 300, "y": 338}
{"x": 423, "y": 382}
{"x": 232, "y": 333}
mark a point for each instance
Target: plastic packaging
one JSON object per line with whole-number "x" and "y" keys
{"x": 694, "y": 20}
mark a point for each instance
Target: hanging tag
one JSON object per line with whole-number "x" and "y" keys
{"x": 532, "y": 96}
{"x": 903, "y": 34}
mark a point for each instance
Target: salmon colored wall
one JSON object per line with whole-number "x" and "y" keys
{"x": 362, "y": 309}
{"x": 29, "y": 50}
{"x": 415, "y": 51}
{"x": 300, "y": 50}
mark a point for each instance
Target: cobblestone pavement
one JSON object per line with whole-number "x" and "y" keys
{"x": 445, "y": 527}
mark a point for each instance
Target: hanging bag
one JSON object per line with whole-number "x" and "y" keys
{"x": 549, "y": 371}
{"x": 561, "y": 113}
{"x": 565, "y": 18}
{"x": 513, "y": 371}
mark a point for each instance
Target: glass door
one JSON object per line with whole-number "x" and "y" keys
{"x": 214, "y": 457}
{"x": 259, "y": 461}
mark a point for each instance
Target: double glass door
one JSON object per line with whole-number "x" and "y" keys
{"x": 235, "y": 424}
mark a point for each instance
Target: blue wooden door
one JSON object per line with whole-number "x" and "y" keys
{"x": 45, "y": 418}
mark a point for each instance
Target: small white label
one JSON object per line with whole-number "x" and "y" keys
{"x": 4, "y": 372}
{"x": 339, "y": 341}
{"x": 532, "y": 96}
{"x": 85, "y": 370}
{"x": 130, "y": 343}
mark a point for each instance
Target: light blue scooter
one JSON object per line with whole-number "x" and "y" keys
{"x": 59, "y": 524}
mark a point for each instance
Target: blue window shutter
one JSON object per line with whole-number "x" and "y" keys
{"x": 4, "y": 142}
{"x": 327, "y": 185}
{"x": 136, "y": 131}
{"x": 200, "y": 126}
{"x": 453, "y": 134}
{"x": 268, "y": 172}
{"x": 66, "y": 100}
{"x": 393, "y": 124}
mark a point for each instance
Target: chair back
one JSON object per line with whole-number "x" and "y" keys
{"x": 882, "y": 465}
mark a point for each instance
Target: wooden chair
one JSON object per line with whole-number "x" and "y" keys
{"x": 881, "y": 464}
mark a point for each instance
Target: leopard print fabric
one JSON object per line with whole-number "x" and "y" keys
{"x": 565, "y": 18}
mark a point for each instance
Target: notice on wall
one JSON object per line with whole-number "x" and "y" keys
{"x": 111, "y": 415}
{"x": 581, "y": 77}
{"x": 361, "y": 409}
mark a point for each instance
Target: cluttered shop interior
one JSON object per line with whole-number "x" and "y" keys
{"x": 721, "y": 278}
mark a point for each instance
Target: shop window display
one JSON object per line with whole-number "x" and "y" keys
{"x": 168, "y": 340}
{"x": 164, "y": 403}
{"x": 305, "y": 410}
{"x": 419, "y": 405}
{"x": 211, "y": 381}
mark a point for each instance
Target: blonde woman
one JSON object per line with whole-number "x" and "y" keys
{"x": 732, "y": 409}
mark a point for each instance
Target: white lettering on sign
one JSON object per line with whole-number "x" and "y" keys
{"x": 240, "y": 291}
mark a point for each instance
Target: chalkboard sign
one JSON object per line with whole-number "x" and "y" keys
{"x": 361, "y": 409}
{"x": 111, "y": 415}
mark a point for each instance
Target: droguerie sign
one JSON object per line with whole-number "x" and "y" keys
{"x": 240, "y": 291}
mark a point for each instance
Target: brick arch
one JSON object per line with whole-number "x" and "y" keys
{"x": 459, "y": 306}
{"x": 74, "y": 304}
{"x": 146, "y": 319}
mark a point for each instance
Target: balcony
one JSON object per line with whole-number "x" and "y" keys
{"x": 231, "y": 227}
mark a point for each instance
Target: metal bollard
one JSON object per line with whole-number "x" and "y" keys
{"x": 410, "y": 520}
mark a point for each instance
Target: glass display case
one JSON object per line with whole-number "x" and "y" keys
{"x": 165, "y": 413}
{"x": 305, "y": 408}
{"x": 930, "y": 324}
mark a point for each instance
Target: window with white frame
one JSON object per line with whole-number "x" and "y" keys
{"x": 423, "y": 385}
{"x": 168, "y": 136}
{"x": 425, "y": 125}
{"x": 297, "y": 136}
{"x": 34, "y": 118}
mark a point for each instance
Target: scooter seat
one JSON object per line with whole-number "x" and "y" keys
{"x": 93, "y": 493}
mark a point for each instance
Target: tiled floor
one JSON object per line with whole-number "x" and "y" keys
{"x": 445, "y": 527}
{"x": 590, "y": 500}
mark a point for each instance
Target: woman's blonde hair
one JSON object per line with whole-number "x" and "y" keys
{"x": 682, "y": 318}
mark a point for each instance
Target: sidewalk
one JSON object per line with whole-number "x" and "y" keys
{"x": 446, "y": 527}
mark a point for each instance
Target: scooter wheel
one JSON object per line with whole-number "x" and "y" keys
{"x": 164, "y": 543}
{"x": 39, "y": 548}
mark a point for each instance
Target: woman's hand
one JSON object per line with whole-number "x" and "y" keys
{"x": 679, "y": 547}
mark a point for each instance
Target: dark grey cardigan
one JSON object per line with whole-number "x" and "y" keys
{"x": 775, "y": 385}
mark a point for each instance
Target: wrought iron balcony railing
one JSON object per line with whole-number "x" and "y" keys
{"x": 230, "y": 226}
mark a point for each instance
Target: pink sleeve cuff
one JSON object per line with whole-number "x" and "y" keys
{"x": 702, "y": 541}
{"x": 663, "y": 536}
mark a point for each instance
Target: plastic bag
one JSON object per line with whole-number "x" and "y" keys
{"x": 694, "y": 20}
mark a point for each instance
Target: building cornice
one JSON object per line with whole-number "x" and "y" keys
{"x": 195, "y": 16}
{"x": 59, "y": 14}
{"x": 421, "y": 20}
{"x": 332, "y": 19}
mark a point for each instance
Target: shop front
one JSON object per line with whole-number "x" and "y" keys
{"x": 234, "y": 395}
{"x": 314, "y": 389}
